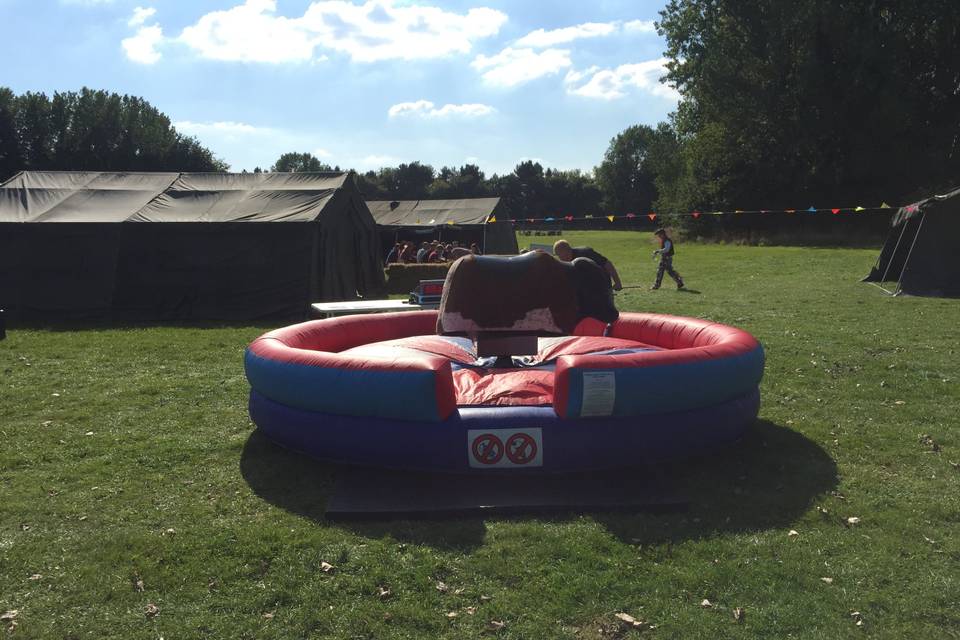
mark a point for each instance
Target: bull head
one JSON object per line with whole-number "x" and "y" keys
{"x": 594, "y": 293}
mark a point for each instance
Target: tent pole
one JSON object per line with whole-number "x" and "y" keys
{"x": 893, "y": 255}
{"x": 909, "y": 253}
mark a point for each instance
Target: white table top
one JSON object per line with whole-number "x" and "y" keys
{"x": 350, "y": 307}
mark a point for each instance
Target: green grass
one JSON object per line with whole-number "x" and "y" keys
{"x": 127, "y": 456}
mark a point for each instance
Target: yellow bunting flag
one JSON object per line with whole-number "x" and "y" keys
{"x": 859, "y": 209}
{"x": 884, "y": 205}
{"x": 610, "y": 218}
{"x": 492, "y": 219}
{"x": 449, "y": 221}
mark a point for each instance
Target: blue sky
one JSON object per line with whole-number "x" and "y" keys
{"x": 360, "y": 83}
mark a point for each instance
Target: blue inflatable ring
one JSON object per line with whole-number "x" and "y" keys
{"x": 365, "y": 390}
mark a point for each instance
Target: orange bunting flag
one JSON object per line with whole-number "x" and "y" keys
{"x": 492, "y": 219}
{"x": 652, "y": 216}
{"x": 737, "y": 211}
{"x": 859, "y": 209}
{"x": 764, "y": 211}
{"x": 610, "y": 218}
{"x": 791, "y": 210}
{"x": 834, "y": 211}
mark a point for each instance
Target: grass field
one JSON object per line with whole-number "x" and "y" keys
{"x": 136, "y": 501}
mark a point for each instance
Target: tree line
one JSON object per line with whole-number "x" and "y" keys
{"x": 782, "y": 105}
{"x": 90, "y": 130}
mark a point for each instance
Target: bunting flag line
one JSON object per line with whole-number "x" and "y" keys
{"x": 654, "y": 215}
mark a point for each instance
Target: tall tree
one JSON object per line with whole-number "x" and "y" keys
{"x": 95, "y": 131}
{"x": 807, "y": 101}
{"x": 299, "y": 163}
{"x": 11, "y": 156}
{"x": 627, "y": 177}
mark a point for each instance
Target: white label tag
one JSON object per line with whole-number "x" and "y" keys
{"x": 599, "y": 393}
{"x": 492, "y": 448}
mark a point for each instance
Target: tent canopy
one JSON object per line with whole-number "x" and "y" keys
{"x": 431, "y": 213}
{"x": 190, "y": 246}
{"x": 469, "y": 219}
{"x": 66, "y": 196}
{"x": 922, "y": 252}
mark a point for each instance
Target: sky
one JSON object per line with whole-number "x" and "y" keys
{"x": 360, "y": 83}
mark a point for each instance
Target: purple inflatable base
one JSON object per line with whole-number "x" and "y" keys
{"x": 505, "y": 439}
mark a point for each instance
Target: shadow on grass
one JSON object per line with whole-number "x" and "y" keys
{"x": 767, "y": 479}
{"x": 301, "y": 485}
{"x": 689, "y": 290}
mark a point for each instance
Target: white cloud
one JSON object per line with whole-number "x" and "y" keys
{"x": 375, "y": 162}
{"x": 541, "y": 38}
{"x": 141, "y": 15}
{"x": 224, "y": 130}
{"x": 86, "y": 3}
{"x": 513, "y": 67}
{"x": 640, "y": 26}
{"x": 426, "y": 109}
{"x": 610, "y": 84}
{"x": 322, "y": 153}
{"x": 142, "y": 47}
{"x": 250, "y": 33}
{"x": 369, "y": 32}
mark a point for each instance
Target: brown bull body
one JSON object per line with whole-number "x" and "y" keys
{"x": 531, "y": 293}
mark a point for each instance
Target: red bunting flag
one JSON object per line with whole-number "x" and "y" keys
{"x": 631, "y": 215}
{"x": 834, "y": 211}
{"x": 568, "y": 218}
{"x": 652, "y": 216}
{"x": 530, "y": 220}
{"x": 696, "y": 214}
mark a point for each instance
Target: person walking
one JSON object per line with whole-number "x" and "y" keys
{"x": 666, "y": 252}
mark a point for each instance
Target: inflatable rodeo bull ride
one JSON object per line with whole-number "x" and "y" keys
{"x": 527, "y": 365}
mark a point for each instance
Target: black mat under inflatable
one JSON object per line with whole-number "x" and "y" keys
{"x": 362, "y": 493}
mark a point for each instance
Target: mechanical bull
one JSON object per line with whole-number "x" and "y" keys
{"x": 533, "y": 293}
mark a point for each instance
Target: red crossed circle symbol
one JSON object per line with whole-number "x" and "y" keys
{"x": 521, "y": 448}
{"x": 487, "y": 449}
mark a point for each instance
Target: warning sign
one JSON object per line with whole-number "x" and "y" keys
{"x": 493, "y": 448}
{"x": 521, "y": 448}
{"x": 487, "y": 449}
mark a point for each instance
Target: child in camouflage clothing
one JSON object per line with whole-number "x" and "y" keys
{"x": 665, "y": 252}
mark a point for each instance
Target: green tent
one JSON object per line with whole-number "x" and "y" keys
{"x": 922, "y": 252}
{"x": 467, "y": 220}
{"x": 194, "y": 246}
